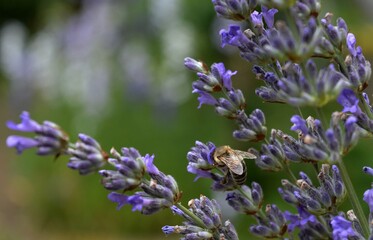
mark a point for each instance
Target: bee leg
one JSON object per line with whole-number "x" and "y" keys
{"x": 225, "y": 180}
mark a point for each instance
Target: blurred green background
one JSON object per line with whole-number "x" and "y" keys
{"x": 114, "y": 70}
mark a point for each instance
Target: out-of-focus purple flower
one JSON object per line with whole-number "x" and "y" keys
{"x": 237, "y": 10}
{"x": 26, "y": 125}
{"x": 50, "y": 139}
{"x": 368, "y": 170}
{"x": 195, "y": 65}
{"x": 231, "y": 37}
{"x": 308, "y": 224}
{"x": 87, "y": 155}
{"x": 342, "y": 228}
{"x": 121, "y": 199}
{"x": 368, "y": 198}
{"x": 21, "y": 143}
{"x": 268, "y": 15}
{"x": 359, "y": 70}
{"x": 150, "y": 167}
{"x": 256, "y": 20}
{"x": 351, "y": 44}
{"x": 299, "y": 220}
{"x": 299, "y": 124}
{"x": 349, "y": 101}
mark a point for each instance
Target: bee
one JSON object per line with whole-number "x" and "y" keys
{"x": 234, "y": 160}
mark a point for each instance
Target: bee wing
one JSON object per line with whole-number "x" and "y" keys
{"x": 245, "y": 154}
{"x": 233, "y": 162}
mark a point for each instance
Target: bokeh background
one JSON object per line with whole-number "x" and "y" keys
{"x": 114, "y": 70}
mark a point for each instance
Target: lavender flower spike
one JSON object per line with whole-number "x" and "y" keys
{"x": 247, "y": 201}
{"x": 50, "y": 139}
{"x": 271, "y": 225}
{"x": 161, "y": 191}
{"x": 130, "y": 169}
{"x": 87, "y": 155}
{"x": 210, "y": 225}
{"x": 200, "y": 160}
{"x": 237, "y": 10}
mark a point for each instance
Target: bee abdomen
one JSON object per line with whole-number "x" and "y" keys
{"x": 240, "y": 179}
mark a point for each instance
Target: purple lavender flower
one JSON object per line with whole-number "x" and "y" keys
{"x": 140, "y": 201}
{"x": 308, "y": 224}
{"x": 207, "y": 223}
{"x": 256, "y": 19}
{"x": 200, "y": 160}
{"x": 232, "y": 37}
{"x": 349, "y": 101}
{"x": 87, "y": 155}
{"x": 299, "y": 124}
{"x": 306, "y": 9}
{"x": 271, "y": 156}
{"x": 296, "y": 89}
{"x": 219, "y": 78}
{"x": 272, "y": 224}
{"x": 335, "y": 34}
{"x": 250, "y": 48}
{"x": 317, "y": 200}
{"x": 195, "y": 65}
{"x": 368, "y": 198}
{"x": 268, "y": 15}
{"x": 368, "y": 170}
{"x": 251, "y": 128}
{"x": 205, "y": 98}
{"x": 160, "y": 192}
{"x": 237, "y": 10}
{"x": 50, "y": 139}
{"x": 342, "y": 229}
{"x": 247, "y": 200}
{"x": 130, "y": 169}
{"x": 223, "y": 75}
{"x": 351, "y": 44}
{"x": 318, "y": 145}
{"x": 358, "y": 68}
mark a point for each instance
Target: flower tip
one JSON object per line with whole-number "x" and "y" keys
{"x": 168, "y": 229}
{"x": 368, "y": 170}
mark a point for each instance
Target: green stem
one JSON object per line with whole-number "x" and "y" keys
{"x": 365, "y": 105}
{"x": 300, "y": 112}
{"x": 353, "y": 198}
{"x": 187, "y": 212}
{"x": 321, "y": 116}
{"x": 342, "y": 65}
{"x": 291, "y": 174}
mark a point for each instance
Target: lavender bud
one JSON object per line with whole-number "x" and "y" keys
{"x": 194, "y": 65}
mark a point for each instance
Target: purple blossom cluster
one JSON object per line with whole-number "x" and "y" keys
{"x": 285, "y": 54}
